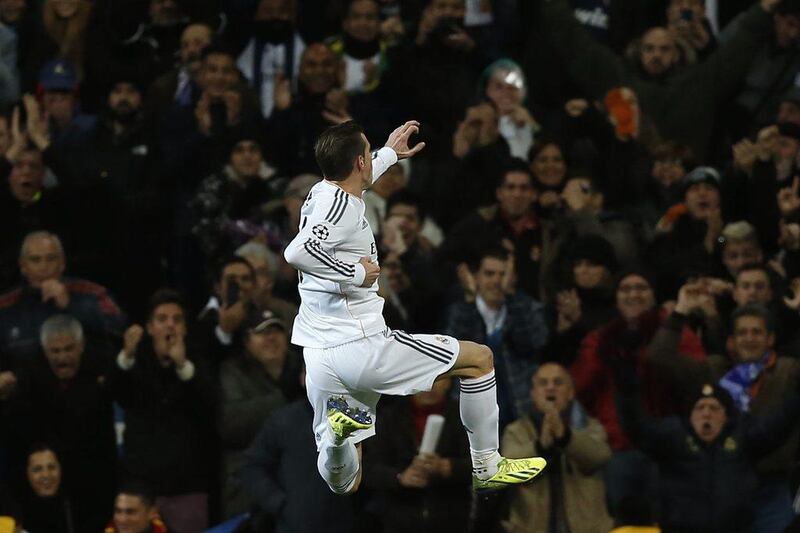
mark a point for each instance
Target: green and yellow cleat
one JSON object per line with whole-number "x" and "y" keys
{"x": 345, "y": 420}
{"x": 510, "y": 472}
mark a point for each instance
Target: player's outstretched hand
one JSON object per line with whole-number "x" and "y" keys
{"x": 398, "y": 140}
{"x": 372, "y": 271}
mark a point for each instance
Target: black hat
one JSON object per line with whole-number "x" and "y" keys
{"x": 710, "y": 390}
{"x": 259, "y": 321}
{"x": 594, "y": 249}
{"x": 707, "y": 175}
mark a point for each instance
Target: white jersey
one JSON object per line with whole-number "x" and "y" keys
{"x": 334, "y": 235}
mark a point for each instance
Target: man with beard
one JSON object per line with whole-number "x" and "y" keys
{"x": 681, "y": 101}
{"x": 271, "y": 59}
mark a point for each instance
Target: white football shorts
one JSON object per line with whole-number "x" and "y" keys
{"x": 392, "y": 362}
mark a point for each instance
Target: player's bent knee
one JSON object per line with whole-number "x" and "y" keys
{"x": 475, "y": 360}
{"x": 485, "y": 359}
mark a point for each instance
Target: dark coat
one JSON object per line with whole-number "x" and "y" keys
{"x": 280, "y": 476}
{"x": 168, "y": 423}
{"x": 710, "y": 487}
{"x": 77, "y": 418}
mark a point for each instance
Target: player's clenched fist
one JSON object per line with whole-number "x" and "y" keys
{"x": 371, "y": 269}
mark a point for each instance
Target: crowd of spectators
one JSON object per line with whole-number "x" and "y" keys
{"x": 609, "y": 198}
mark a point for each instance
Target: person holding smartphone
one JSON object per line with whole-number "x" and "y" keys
{"x": 687, "y": 20}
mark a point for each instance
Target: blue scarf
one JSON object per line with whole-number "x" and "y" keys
{"x": 740, "y": 378}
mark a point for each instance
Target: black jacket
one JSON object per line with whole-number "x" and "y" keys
{"x": 76, "y": 417}
{"x": 707, "y": 488}
{"x": 280, "y": 476}
{"x": 168, "y": 423}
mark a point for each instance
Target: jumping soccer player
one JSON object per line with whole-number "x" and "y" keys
{"x": 351, "y": 356}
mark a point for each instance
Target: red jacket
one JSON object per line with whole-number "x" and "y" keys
{"x": 594, "y": 378}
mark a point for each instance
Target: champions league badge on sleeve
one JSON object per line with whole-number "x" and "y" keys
{"x": 321, "y": 232}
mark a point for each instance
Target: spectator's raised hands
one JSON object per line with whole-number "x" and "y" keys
{"x": 713, "y": 228}
{"x": 793, "y": 302}
{"x": 37, "y": 124}
{"x": 233, "y": 106}
{"x": 19, "y": 139}
{"x": 790, "y": 236}
{"x": 745, "y": 154}
{"x": 767, "y": 143}
{"x": 436, "y": 466}
{"x": 522, "y": 117}
{"x": 696, "y": 296}
{"x": 426, "y": 25}
{"x": 568, "y": 306}
{"x": 55, "y": 291}
{"x": 282, "y": 93}
{"x": 789, "y": 198}
{"x": 176, "y": 349}
{"x": 202, "y": 113}
{"x": 509, "y": 283}
{"x": 415, "y": 476}
{"x": 131, "y": 339}
{"x": 392, "y": 30}
{"x": 479, "y": 128}
{"x": 335, "y": 110}
{"x": 467, "y": 281}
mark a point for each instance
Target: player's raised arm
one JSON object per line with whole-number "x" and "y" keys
{"x": 398, "y": 143}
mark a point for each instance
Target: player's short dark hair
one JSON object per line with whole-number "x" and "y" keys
{"x": 161, "y": 297}
{"x": 406, "y": 197}
{"x": 139, "y": 489}
{"x": 337, "y": 148}
{"x": 753, "y": 310}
